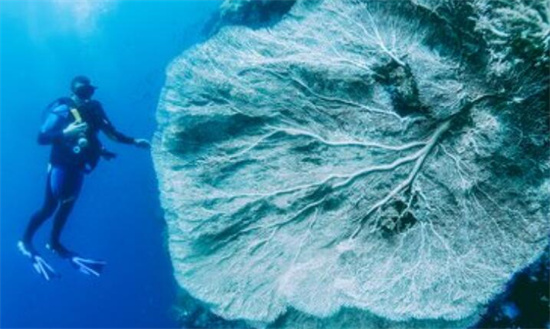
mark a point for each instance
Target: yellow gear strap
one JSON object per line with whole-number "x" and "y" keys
{"x": 76, "y": 114}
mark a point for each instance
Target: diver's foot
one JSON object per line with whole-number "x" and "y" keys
{"x": 60, "y": 250}
{"x": 39, "y": 264}
{"x": 88, "y": 266}
{"x": 26, "y": 248}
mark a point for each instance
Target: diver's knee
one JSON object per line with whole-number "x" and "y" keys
{"x": 46, "y": 211}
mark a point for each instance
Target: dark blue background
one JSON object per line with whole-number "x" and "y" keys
{"x": 118, "y": 217}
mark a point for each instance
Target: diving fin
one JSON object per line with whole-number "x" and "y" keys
{"x": 38, "y": 263}
{"x": 85, "y": 265}
{"x": 88, "y": 266}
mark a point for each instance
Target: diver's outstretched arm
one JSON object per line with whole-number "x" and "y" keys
{"x": 109, "y": 129}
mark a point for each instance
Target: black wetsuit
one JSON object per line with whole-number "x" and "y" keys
{"x": 67, "y": 167}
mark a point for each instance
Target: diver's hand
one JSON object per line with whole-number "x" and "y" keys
{"x": 75, "y": 129}
{"x": 142, "y": 143}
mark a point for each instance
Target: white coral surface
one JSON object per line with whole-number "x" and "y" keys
{"x": 292, "y": 177}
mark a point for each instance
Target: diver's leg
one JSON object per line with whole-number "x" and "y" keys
{"x": 38, "y": 218}
{"x": 68, "y": 193}
{"x": 85, "y": 265}
{"x": 68, "y": 189}
{"x": 60, "y": 219}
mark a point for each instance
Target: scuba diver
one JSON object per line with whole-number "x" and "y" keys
{"x": 71, "y": 127}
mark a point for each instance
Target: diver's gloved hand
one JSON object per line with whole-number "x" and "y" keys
{"x": 75, "y": 129}
{"x": 142, "y": 143}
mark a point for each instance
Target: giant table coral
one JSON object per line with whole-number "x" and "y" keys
{"x": 360, "y": 163}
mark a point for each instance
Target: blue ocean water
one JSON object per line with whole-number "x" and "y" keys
{"x": 124, "y": 47}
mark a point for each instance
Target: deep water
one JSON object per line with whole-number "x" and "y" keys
{"x": 124, "y": 46}
{"x": 525, "y": 302}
